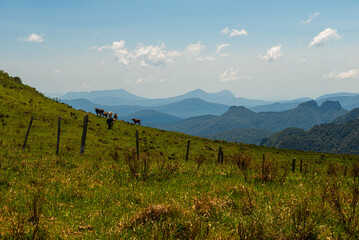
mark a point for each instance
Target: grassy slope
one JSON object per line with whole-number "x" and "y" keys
{"x": 96, "y": 196}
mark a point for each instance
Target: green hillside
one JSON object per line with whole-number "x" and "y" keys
{"x": 331, "y": 137}
{"x": 109, "y": 193}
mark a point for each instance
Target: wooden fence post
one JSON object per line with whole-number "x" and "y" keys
{"x": 27, "y": 133}
{"x": 187, "y": 152}
{"x": 293, "y": 165}
{"x": 219, "y": 154}
{"x": 263, "y": 161}
{"x": 222, "y": 156}
{"x": 301, "y": 165}
{"x": 137, "y": 146}
{"x": 84, "y": 131}
{"x": 58, "y": 135}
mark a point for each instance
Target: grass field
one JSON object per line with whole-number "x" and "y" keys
{"x": 109, "y": 193}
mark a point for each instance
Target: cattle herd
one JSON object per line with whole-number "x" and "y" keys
{"x": 101, "y": 112}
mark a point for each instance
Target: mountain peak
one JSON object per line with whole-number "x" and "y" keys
{"x": 309, "y": 104}
{"x": 330, "y": 105}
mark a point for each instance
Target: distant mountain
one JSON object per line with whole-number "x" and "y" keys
{"x": 192, "y": 107}
{"x": 122, "y": 97}
{"x": 352, "y": 115}
{"x": 334, "y": 95}
{"x": 150, "y": 116}
{"x": 279, "y": 106}
{"x": 183, "y": 109}
{"x": 250, "y": 136}
{"x": 304, "y": 116}
{"x": 93, "y": 95}
{"x": 348, "y": 102}
{"x": 332, "y": 138}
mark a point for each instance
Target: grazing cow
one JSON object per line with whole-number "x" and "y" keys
{"x": 105, "y": 114}
{"x": 115, "y": 116}
{"x": 109, "y": 122}
{"x": 110, "y": 114}
{"x": 136, "y": 121}
{"x": 99, "y": 111}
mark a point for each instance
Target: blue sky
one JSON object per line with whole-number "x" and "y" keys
{"x": 256, "y": 49}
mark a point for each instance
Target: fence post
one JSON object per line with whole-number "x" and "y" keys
{"x": 187, "y": 152}
{"x": 293, "y": 165}
{"x": 58, "y": 135}
{"x": 84, "y": 131}
{"x": 263, "y": 161}
{"x": 27, "y": 133}
{"x": 137, "y": 146}
{"x": 219, "y": 154}
{"x": 301, "y": 165}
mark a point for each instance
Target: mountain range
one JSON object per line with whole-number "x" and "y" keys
{"x": 304, "y": 116}
{"x": 122, "y": 97}
{"x": 339, "y": 136}
{"x": 186, "y": 108}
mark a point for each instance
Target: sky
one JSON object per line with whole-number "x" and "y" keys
{"x": 258, "y": 49}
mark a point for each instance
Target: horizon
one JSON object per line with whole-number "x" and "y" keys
{"x": 49, "y": 94}
{"x": 258, "y": 50}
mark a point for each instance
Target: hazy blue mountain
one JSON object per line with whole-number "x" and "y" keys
{"x": 192, "y": 107}
{"x": 340, "y": 94}
{"x": 331, "y": 137}
{"x": 53, "y": 94}
{"x": 304, "y": 116}
{"x": 348, "y": 102}
{"x": 352, "y": 115}
{"x": 122, "y": 97}
{"x": 183, "y": 109}
{"x": 93, "y": 95}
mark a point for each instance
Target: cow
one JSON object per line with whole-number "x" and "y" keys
{"x": 136, "y": 121}
{"x": 110, "y": 113}
{"x": 115, "y": 116}
{"x": 99, "y": 111}
{"x": 105, "y": 114}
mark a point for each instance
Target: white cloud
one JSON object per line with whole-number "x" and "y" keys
{"x": 194, "y": 49}
{"x": 351, "y": 74}
{"x": 230, "y": 75}
{"x": 148, "y": 55}
{"x": 236, "y": 32}
{"x": 220, "y": 46}
{"x": 225, "y": 30}
{"x": 33, "y": 37}
{"x": 272, "y": 54}
{"x": 311, "y": 18}
{"x": 149, "y": 79}
{"x": 55, "y": 71}
{"x": 119, "y": 50}
{"x": 302, "y": 61}
{"x": 324, "y": 36}
{"x": 202, "y": 59}
{"x": 233, "y": 32}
